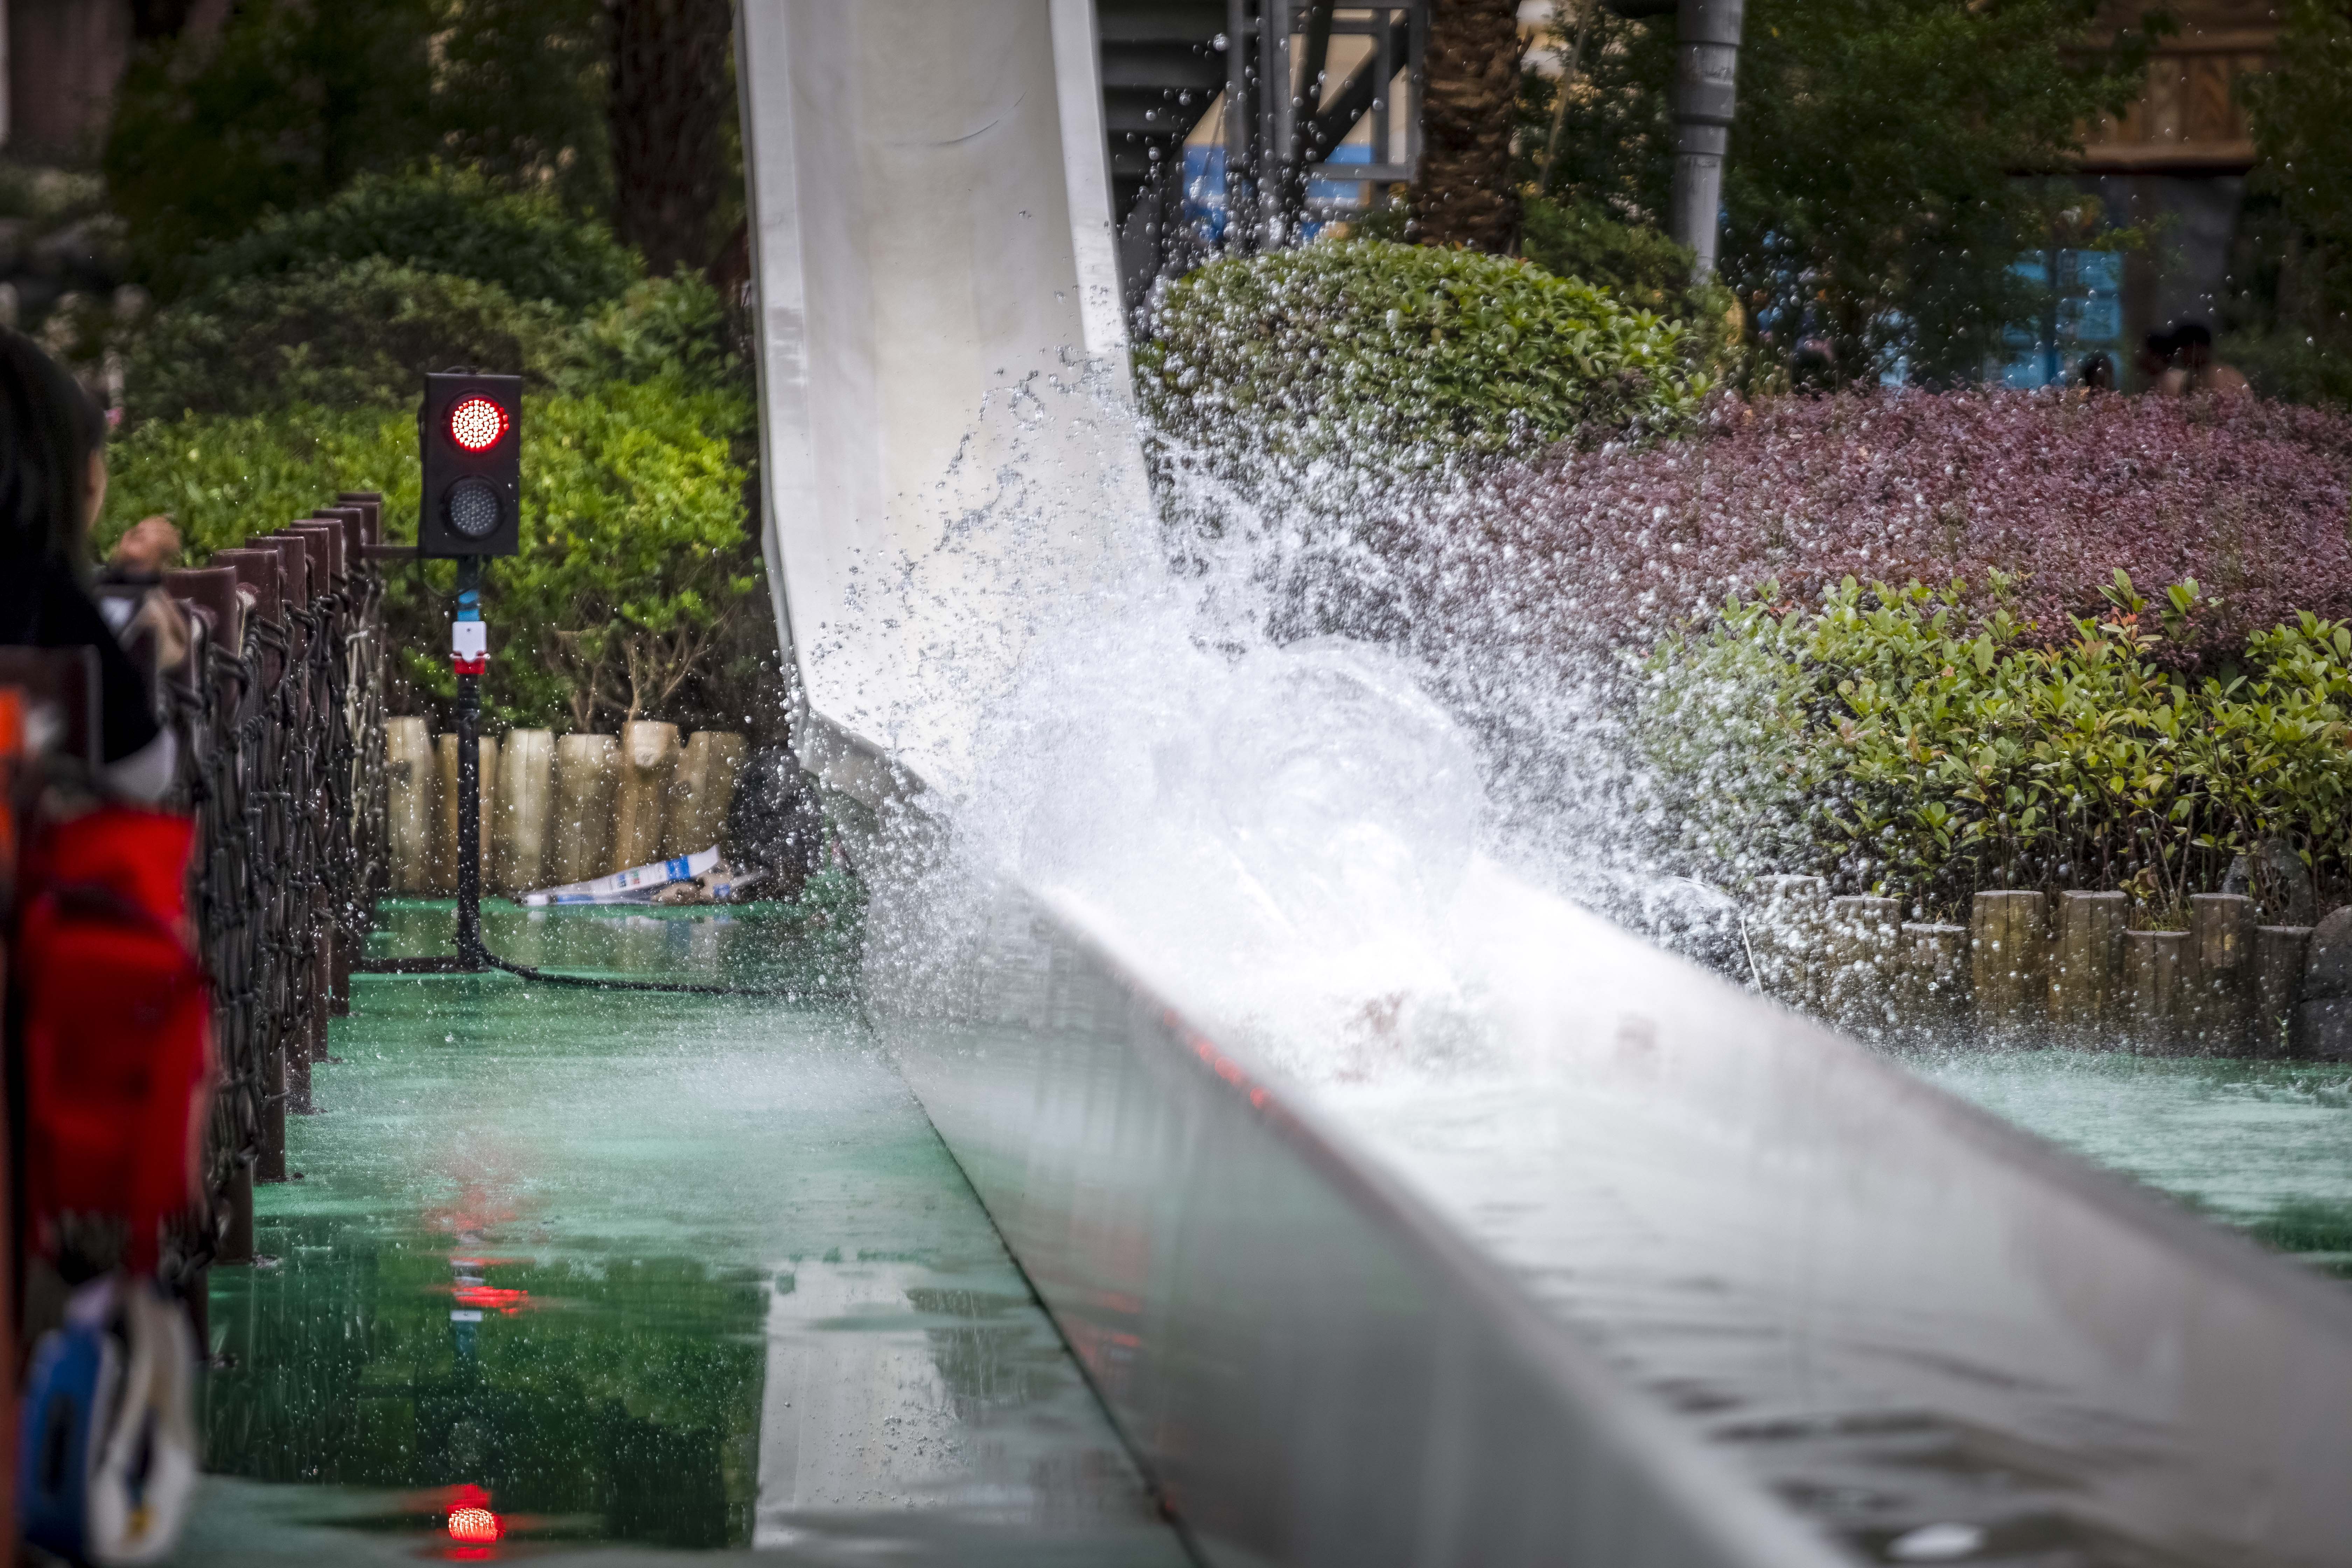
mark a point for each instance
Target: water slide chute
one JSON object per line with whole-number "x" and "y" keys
{"x": 1316, "y": 1355}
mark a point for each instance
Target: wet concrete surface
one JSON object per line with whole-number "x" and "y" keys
{"x": 638, "y": 1276}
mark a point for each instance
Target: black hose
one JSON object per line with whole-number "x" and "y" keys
{"x": 484, "y": 960}
{"x": 681, "y": 987}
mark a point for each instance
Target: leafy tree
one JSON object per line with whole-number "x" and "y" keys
{"x": 280, "y": 108}
{"x": 336, "y": 337}
{"x": 442, "y": 219}
{"x": 1587, "y": 240}
{"x": 519, "y": 94}
{"x": 669, "y": 109}
{"x": 1883, "y": 170}
{"x": 2296, "y": 318}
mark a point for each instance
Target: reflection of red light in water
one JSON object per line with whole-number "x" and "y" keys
{"x": 491, "y": 1297}
{"x": 475, "y": 1526}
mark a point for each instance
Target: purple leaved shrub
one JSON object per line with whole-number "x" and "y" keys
{"x": 2055, "y": 490}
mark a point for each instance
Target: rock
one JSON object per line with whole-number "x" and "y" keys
{"x": 2323, "y": 1029}
{"x": 774, "y": 822}
{"x": 2327, "y": 971}
{"x": 2285, "y": 884}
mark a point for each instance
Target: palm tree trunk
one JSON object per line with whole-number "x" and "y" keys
{"x": 1464, "y": 194}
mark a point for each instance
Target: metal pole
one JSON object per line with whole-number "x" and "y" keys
{"x": 1706, "y": 61}
{"x": 1241, "y": 128}
{"x": 469, "y": 781}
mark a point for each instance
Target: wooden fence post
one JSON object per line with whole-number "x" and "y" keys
{"x": 2222, "y": 928}
{"x": 2154, "y": 971}
{"x": 1933, "y": 989}
{"x": 2009, "y": 965}
{"x": 2279, "y": 955}
{"x": 2086, "y": 971}
{"x": 1788, "y": 939}
{"x": 1859, "y": 964}
{"x": 587, "y": 777}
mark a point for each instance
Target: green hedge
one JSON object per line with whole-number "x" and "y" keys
{"x": 1407, "y": 353}
{"x": 1894, "y": 743}
{"x": 635, "y": 560}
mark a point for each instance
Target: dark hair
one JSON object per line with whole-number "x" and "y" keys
{"x": 2193, "y": 335}
{"x": 2163, "y": 345}
{"x": 49, "y": 428}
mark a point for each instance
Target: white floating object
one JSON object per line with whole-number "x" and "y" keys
{"x": 634, "y": 886}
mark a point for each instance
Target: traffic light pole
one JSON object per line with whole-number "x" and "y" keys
{"x": 471, "y": 954}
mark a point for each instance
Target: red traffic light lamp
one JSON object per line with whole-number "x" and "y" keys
{"x": 469, "y": 437}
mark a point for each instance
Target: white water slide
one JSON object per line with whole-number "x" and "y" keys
{"x": 1743, "y": 1293}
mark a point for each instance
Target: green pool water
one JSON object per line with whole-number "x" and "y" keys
{"x": 2264, "y": 1146}
{"x": 651, "y": 1274}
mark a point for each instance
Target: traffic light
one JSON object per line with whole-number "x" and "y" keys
{"x": 469, "y": 432}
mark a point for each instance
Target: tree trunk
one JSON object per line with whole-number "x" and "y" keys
{"x": 670, "y": 100}
{"x": 1464, "y": 194}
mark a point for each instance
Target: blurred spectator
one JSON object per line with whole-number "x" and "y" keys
{"x": 52, "y": 485}
{"x": 2198, "y": 370}
{"x": 141, "y": 555}
{"x": 151, "y": 620}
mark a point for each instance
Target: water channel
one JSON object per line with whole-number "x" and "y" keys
{"x": 644, "y": 1273}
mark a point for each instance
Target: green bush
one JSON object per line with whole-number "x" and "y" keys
{"x": 1414, "y": 354}
{"x": 364, "y": 332}
{"x": 1895, "y": 744}
{"x": 455, "y": 221}
{"x": 1585, "y": 241}
{"x": 635, "y": 556}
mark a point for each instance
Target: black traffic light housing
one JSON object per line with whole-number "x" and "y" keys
{"x": 469, "y": 434}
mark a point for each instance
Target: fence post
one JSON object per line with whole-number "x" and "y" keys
{"x": 2323, "y": 1020}
{"x": 2279, "y": 955}
{"x": 1934, "y": 991}
{"x": 2221, "y": 928}
{"x": 2154, "y": 973}
{"x": 649, "y": 757}
{"x": 525, "y": 802}
{"x": 587, "y": 777}
{"x": 2009, "y": 965}
{"x": 2087, "y": 970}
{"x": 445, "y": 878}
{"x": 1788, "y": 939}
{"x": 1859, "y": 978}
{"x": 700, "y": 789}
{"x": 412, "y": 781}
